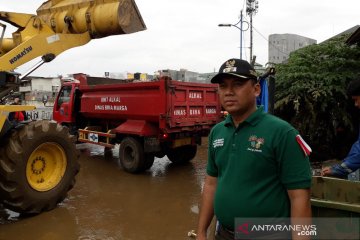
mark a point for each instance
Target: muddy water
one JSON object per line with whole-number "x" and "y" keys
{"x": 110, "y": 204}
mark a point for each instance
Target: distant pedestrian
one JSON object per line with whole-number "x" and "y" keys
{"x": 17, "y": 116}
{"x": 258, "y": 164}
{"x": 45, "y": 99}
{"x": 16, "y": 101}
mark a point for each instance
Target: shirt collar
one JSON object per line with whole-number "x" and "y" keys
{"x": 253, "y": 119}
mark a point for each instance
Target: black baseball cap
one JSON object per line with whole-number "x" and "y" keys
{"x": 235, "y": 67}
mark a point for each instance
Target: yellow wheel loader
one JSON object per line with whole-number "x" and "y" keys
{"x": 38, "y": 159}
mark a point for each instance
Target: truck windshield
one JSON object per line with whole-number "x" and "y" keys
{"x": 64, "y": 95}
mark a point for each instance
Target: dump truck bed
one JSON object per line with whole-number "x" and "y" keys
{"x": 174, "y": 105}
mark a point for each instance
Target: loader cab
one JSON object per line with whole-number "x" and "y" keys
{"x": 9, "y": 83}
{"x": 9, "y": 78}
{"x": 65, "y": 104}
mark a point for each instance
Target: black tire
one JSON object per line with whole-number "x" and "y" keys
{"x": 183, "y": 154}
{"x": 38, "y": 164}
{"x": 131, "y": 154}
{"x": 160, "y": 154}
{"x": 149, "y": 161}
{"x": 108, "y": 153}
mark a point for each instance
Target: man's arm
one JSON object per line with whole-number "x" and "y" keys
{"x": 300, "y": 210}
{"x": 350, "y": 164}
{"x": 207, "y": 207}
{"x": 335, "y": 171}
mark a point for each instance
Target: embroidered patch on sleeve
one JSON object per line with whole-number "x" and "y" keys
{"x": 218, "y": 143}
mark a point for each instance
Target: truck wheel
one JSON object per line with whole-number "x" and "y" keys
{"x": 38, "y": 164}
{"x": 182, "y": 154}
{"x": 160, "y": 154}
{"x": 131, "y": 153}
{"x": 108, "y": 154}
{"x": 149, "y": 161}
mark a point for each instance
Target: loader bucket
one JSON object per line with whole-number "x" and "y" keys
{"x": 101, "y": 18}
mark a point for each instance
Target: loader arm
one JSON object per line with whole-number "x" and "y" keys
{"x": 58, "y": 26}
{"x": 63, "y": 24}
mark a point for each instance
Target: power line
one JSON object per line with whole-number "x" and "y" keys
{"x": 272, "y": 43}
{"x": 267, "y": 40}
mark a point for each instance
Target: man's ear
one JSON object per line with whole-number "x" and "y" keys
{"x": 257, "y": 89}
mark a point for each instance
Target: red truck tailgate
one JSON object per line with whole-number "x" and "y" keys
{"x": 192, "y": 104}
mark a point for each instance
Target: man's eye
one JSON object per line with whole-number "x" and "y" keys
{"x": 238, "y": 83}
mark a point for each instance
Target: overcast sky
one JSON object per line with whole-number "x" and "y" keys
{"x": 185, "y": 34}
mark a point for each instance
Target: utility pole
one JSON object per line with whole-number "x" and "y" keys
{"x": 241, "y": 32}
{"x": 251, "y": 38}
{"x": 251, "y": 9}
{"x": 240, "y": 27}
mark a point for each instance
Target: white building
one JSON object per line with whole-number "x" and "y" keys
{"x": 35, "y": 89}
{"x": 281, "y": 45}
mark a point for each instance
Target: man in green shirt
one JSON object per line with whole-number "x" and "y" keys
{"x": 258, "y": 164}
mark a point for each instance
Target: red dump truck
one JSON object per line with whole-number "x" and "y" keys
{"x": 147, "y": 119}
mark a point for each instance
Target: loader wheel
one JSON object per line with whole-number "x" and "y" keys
{"x": 131, "y": 153}
{"x": 38, "y": 164}
{"x": 181, "y": 155}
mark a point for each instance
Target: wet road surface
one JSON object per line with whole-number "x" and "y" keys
{"x": 110, "y": 204}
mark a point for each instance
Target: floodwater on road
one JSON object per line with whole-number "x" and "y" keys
{"x": 109, "y": 204}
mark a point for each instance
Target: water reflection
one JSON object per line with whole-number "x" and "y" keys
{"x": 7, "y": 216}
{"x": 58, "y": 224}
{"x": 108, "y": 203}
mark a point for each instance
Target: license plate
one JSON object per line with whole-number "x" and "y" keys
{"x": 182, "y": 142}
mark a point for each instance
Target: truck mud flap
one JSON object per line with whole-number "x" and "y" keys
{"x": 151, "y": 144}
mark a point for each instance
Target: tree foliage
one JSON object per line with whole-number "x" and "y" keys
{"x": 311, "y": 92}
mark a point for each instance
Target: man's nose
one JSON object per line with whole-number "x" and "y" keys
{"x": 229, "y": 91}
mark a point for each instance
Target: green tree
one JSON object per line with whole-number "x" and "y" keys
{"x": 311, "y": 92}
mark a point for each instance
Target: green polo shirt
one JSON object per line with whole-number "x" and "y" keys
{"x": 255, "y": 164}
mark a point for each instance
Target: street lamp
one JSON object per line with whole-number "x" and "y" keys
{"x": 240, "y": 27}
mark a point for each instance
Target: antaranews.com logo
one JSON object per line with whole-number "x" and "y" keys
{"x": 316, "y": 228}
{"x": 280, "y": 230}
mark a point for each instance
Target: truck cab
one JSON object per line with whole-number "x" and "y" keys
{"x": 65, "y": 104}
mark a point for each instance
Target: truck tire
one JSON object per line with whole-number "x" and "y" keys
{"x": 183, "y": 154}
{"x": 38, "y": 164}
{"x": 149, "y": 161}
{"x": 131, "y": 154}
{"x": 108, "y": 153}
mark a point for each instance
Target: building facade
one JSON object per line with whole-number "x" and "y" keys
{"x": 181, "y": 75}
{"x": 35, "y": 90}
{"x": 281, "y": 45}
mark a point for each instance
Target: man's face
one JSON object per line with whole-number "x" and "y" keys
{"x": 356, "y": 101}
{"x": 238, "y": 96}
